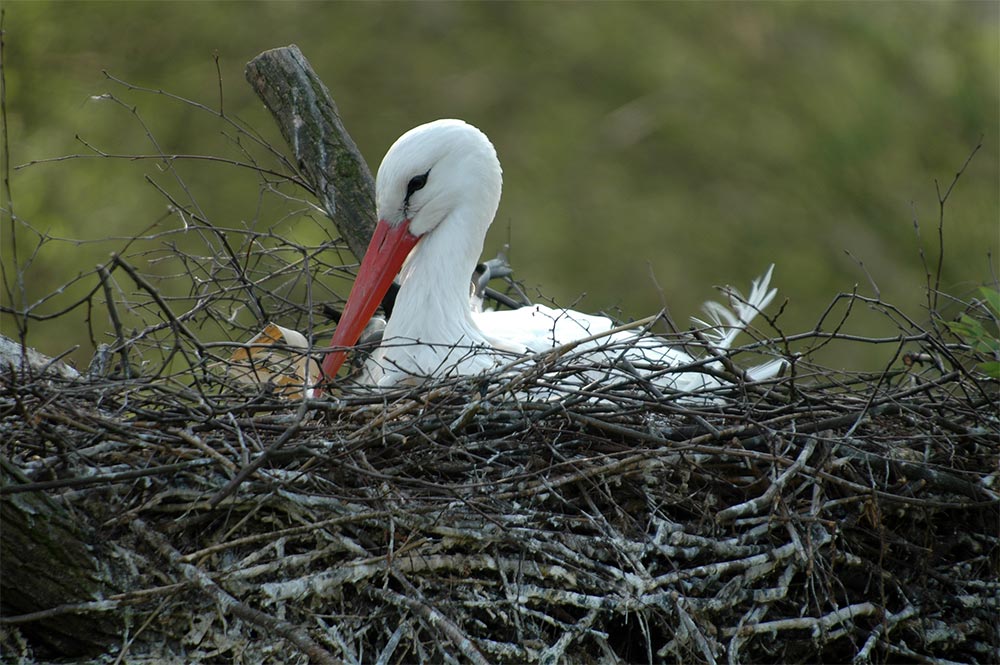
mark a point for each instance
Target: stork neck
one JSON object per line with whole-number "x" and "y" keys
{"x": 433, "y": 301}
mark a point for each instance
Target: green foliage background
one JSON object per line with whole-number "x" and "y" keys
{"x": 693, "y": 142}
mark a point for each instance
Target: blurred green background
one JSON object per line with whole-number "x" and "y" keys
{"x": 650, "y": 150}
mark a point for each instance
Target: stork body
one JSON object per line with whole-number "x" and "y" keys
{"x": 437, "y": 191}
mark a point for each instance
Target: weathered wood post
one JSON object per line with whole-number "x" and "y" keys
{"x": 323, "y": 150}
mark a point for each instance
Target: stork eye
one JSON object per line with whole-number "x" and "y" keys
{"x": 416, "y": 183}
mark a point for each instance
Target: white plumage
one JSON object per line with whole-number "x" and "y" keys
{"x": 438, "y": 188}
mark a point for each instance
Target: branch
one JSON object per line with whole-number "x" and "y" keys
{"x": 229, "y": 603}
{"x": 322, "y": 148}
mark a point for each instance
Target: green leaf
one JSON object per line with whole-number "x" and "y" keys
{"x": 965, "y": 327}
{"x": 990, "y": 369}
{"x": 992, "y": 297}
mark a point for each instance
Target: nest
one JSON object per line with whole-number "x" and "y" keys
{"x": 157, "y": 509}
{"x": 816, "y": 518}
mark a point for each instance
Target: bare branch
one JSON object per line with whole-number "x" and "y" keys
{"x": 311, "y": 124}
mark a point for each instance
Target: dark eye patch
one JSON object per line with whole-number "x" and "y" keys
{"x": 416, "y": 183}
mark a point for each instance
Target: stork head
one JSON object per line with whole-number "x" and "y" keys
{"x": 434, "y": 169}
{"x": 429, "y": 173}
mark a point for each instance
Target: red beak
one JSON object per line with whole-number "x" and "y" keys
{"x": 386, "y": 252}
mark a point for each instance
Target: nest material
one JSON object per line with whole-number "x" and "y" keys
{"x": 797, "y": 522}
{"x": 152, "y": 513}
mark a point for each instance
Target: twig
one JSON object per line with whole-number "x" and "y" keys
{"x": 815, "y": 625}
{"x": 107, "y": 479}
{"x": 755, "y": 505}
{"x": 942, "y": 200}
{"x": 230, "y": 604}
{"x": 176, "y": 324}
{"x": 121, "y": 346}
{"x": 261, "y": 459}
{"x": 434, "y": 619}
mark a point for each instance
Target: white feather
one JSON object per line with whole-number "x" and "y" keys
{"x": 435, "y": 331}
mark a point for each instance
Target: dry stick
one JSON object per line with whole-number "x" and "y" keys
{"x": 915, "y": 657}
{"x": 59, "y": 610}
{"x": 16, "y": 357}
{"x": 757, "y": 503}
{"x": 882, "y": 629}
{"x": 190, "y": 437}
{"x": 178, "y": 326}
{"x": 108, "y": 604}
{"x": 253, "y": 302}
{"x": 697, "y": 445}
{"x": 874, "y": 393}
{"x": 126, "y": 370}
{"x": 218, "y": 76}
{"x": 164, "y": 157}
{"x": 757, "y": 611}
{"x": 696, "y": 632}
{"x": 814, "y": 624}
{"x": 434, "y": 619}
{"x": 243, "y": 131}
{"x": 28, "y": 313}
{"x": 272, "y": 536}
{"x": 556, "y": 652}
{"x": 15, "y": 292}
{"x": 229, "y": 603}
{"x": 239, "y": 269}
{"x": 130, "y": 639}
{"x": 942, "y": 200}
{"x": 769, "y": 558}
{"x": 97, "y": 480}
{"x": 245, "y": 472}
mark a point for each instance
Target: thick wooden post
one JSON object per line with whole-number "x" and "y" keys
{"x": 324, "y": 151}
{"x": 51, "y": 560}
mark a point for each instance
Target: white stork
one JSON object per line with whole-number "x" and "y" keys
{"x": 437, "y": 190}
